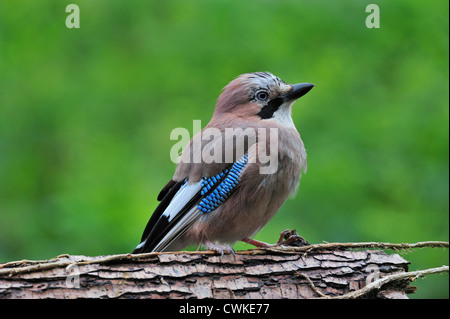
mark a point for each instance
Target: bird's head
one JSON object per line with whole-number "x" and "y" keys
{"x": 261, "y": 95}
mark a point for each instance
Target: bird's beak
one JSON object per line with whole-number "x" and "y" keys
{"x": 298, "y": 90}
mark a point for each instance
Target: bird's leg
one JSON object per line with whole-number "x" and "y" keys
{"x": 256, "y": 243}
{"x": 221, "y": 249}
{"x": 287, "y": 238}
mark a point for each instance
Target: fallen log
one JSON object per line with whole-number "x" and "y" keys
{"x": 330, "y": 270}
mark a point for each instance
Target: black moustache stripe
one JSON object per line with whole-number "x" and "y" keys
{"x": 271, "y": 107}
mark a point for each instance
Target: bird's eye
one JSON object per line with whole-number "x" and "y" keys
{"x": 262, "y": 95}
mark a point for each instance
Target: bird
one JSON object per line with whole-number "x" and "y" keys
{"x": 216, "y": 203}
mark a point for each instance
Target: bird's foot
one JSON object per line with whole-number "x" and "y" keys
{"x": 287, "y": 238}
{"x": 220, "y": 249}
{"x": 291, "y": 238}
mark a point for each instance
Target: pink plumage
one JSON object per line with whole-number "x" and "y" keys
{"x": 213, "y": 198}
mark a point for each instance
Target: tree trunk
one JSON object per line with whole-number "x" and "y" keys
{"x": 285, "y": 272}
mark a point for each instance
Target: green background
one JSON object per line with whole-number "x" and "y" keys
{"x": 86, "y": 115}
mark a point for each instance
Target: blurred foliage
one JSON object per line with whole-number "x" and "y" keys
{"x": 86, "y": 114}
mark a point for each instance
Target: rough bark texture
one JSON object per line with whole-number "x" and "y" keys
{"x": 251, "y": 274}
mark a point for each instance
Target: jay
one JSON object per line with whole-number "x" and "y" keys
{"x": 218, "y": 202}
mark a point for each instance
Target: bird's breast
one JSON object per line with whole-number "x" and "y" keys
{"x": 288, "y": 162}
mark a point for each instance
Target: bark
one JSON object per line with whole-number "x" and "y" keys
{"x": 261, "y": 273}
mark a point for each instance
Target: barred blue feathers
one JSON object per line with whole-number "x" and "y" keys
{"x": 218, "y": 188}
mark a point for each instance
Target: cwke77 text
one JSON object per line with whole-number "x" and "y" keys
{"x": 253, "y": 308}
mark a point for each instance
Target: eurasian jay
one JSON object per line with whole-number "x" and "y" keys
{"x": 228, "y": 198}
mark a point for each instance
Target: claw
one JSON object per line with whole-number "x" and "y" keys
{"x": 291, "y": 238}
{"x": 285, "y": 235}
{"x": 287, "y": 238}
{"x": 220, "y": 249}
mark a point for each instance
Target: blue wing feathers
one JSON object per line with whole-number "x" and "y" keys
{"x": 216, "y": 189}
{"x": 178, "y": 201}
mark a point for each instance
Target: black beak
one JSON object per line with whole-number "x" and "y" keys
{"x": 298, "y": 90}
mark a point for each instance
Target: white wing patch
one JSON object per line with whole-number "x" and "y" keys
{"x": 181, "y": 198}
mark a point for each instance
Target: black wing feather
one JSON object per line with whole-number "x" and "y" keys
{"x": 163, "y": 226}
{"x": 165, "y": 201}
